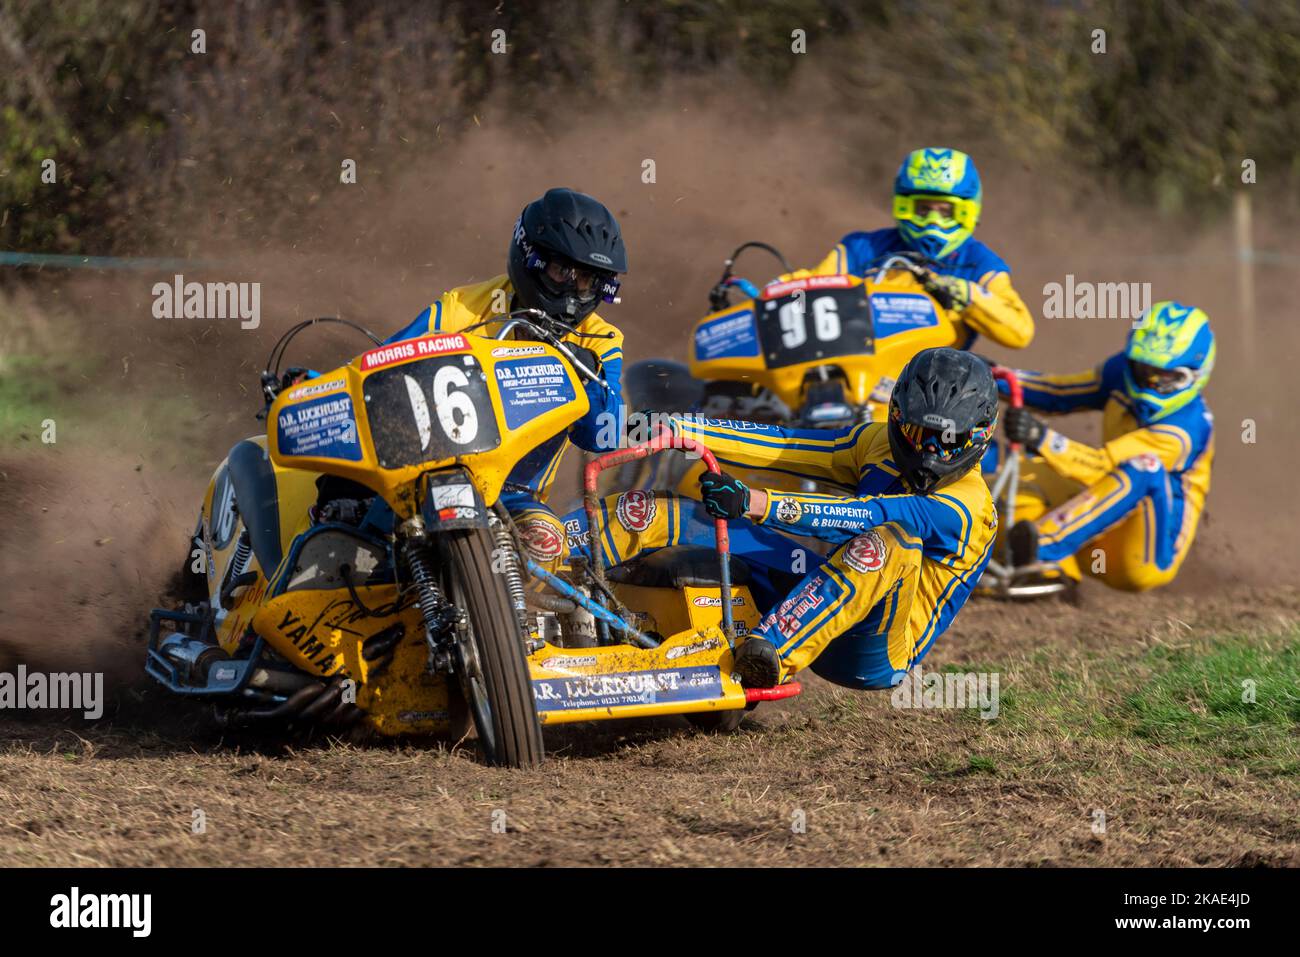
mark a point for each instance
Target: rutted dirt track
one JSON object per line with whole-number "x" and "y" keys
{"x": 93, "y": 524}
{"x": 874, "y": 785}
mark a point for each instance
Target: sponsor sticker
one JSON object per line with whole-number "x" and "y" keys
{"x": 501, "y": 351}
{"x": 778, "y": 289}
{"x": 895, "y": 312}
{"x": 708, "y": 644}
{"x": 412, "y": 349}
{"x": 715, "y": 601}
{"x": 325, "y": 427}
{"x": 727, "y": 337}
{"x": 866, "y": 553}
{"x": 451, "y": 496}
{"x": 308, "y": 389}
{"x": 578, "y": 537}
{"x": 660, "y": 686}
{"x": 542, "y": 539}
{"x": 788, "y": 511}
{"x": 788, "y": 617}
{"x": 1146, "y": 462}
{"x": 530, "y": 387}
{"x": 1058, "y": 443}
{"x": 636, "y": 509}
{"x": 565, "y": 662}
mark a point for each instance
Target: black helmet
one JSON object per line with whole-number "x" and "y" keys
{"x": 941, "y": 417}
{"x": 565, "y": 255}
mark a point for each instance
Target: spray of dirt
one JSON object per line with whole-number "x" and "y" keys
{"x": 89, "y": 540}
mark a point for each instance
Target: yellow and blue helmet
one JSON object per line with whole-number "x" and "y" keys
{"x": 937, "y": 173}
{"x": 1170, "y": 354}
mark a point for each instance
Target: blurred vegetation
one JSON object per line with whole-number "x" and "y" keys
{"x": 1184, "y": 92}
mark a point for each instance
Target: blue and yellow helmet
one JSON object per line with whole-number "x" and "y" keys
{"x": 942, "y": 174}
{"x": 1169, "y": 353}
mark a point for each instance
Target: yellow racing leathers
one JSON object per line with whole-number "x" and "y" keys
{"x": 902, "y": 564}
{"x": 993, "y": 308}
{"x": 1126, "y": 512}
{"x": 599, "y": 430}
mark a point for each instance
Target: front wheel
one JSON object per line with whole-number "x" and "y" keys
{"x": 490, "y": 659}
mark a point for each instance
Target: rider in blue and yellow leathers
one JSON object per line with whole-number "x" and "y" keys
{"x": 937, "y": 202}
{"x": 1125, "y": 512}
{"x": 913, "y": 524}
{"x": 565, "y": 255}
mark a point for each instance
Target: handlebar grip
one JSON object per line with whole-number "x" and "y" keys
{"x": 1015, "y": 394}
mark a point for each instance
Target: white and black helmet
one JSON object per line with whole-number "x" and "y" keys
{"x": 565, "y": 256}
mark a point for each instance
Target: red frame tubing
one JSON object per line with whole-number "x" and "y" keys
{"x": 787, "y": 690}
{"x": 662, "y": 441}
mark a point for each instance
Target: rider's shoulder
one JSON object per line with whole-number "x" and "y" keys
{"x": 610, "y": 339}
{"x": 972, "y": 491}
{"x": 975, "y": 253}
{"x": 866, "y": 245}
{"x": 1195, "y": 419}
{"x": 477, "y": 298}
{"x": 1112, "y": 372}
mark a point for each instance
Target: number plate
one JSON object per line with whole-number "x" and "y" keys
{"x": 426, "y": 411}
{"x": 811, "y": 325}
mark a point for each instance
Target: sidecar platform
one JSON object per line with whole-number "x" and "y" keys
{"x": 689, "y": 672}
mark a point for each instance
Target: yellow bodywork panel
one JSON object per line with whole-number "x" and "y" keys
{"x": 690, "y": 671}
{"x": 764, "y": 342}
{"x": 324, "y": 632}
{"x": 435, "y": 402}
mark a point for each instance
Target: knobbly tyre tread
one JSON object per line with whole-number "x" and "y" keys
{"x": 500, "y": 650}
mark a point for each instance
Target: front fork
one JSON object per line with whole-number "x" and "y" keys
{"x": 445, "y": 624}
{"x": 442, "y": 619}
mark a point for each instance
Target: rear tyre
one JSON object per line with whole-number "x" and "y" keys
{"x": 717, "y": 722}
{"x": 491, "y": 663}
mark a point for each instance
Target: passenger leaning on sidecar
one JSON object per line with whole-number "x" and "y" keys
{"x": 1126, "y": 512}
{"x": 914, "y": 526}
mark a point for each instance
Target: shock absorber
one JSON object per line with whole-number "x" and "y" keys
{"x": 437, "y": 613}
{"x": 508, "y": 561}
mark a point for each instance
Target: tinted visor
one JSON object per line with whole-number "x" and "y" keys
{"x": 1161, "y": 381}
{"x": 561, "y": 276}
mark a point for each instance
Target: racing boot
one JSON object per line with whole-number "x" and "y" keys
{"x": 758, "y": 663}
{"x": 1031, "y": 577}
{"x": 1023, "y": 540}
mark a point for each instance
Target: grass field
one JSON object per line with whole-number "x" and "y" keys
{"x": 1149, "y": 730}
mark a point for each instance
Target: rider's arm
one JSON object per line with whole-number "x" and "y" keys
{"x": 997, "y": 311}
{"x": 426, "y": 322}
{"x": 828, "y": 454}
{"x": 601, "y": 428}
{"x": 1084, "y": 463}
{"x": 932, "y": 520}
{"x": 835, "y": 263}
{"x": 1061, "y": 393}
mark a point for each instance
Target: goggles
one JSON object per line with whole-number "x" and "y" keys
{"x": 926, "y": 209}
{"x": 1161, "y": 381}
{"x": 562, "y": 275}
{"x": 943, "y": 443}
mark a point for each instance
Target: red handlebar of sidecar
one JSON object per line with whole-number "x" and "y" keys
{"x": 665, "y": 440}
{"x": 1016, "y": 398}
